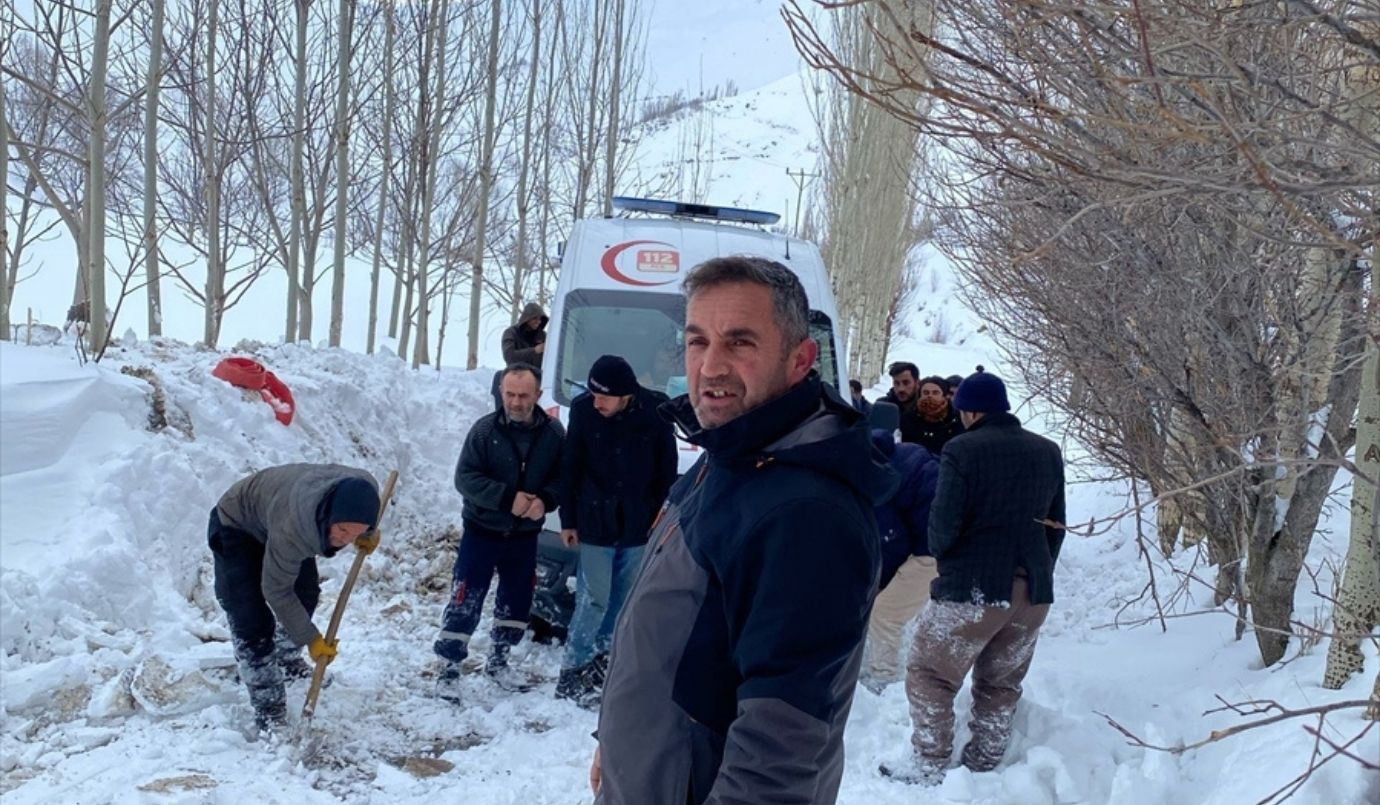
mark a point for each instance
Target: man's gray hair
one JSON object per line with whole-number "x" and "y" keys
{"x": 790, "y": 306}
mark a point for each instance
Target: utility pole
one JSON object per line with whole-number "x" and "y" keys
{"x": 799, "y": 176}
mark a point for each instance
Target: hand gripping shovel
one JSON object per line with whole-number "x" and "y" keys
{"x": 314, "y": 691}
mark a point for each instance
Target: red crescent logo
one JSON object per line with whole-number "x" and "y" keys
{"x": 609, "y": 263}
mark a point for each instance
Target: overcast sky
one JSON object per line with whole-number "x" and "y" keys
{"x": 694, "y": 43}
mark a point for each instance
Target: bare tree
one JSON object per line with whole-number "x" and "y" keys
{"x": 386, "y": 154}
{"x": 342, "y": 165}
{"x": 870, "y": 212}
{"x": 215, "y": 269}
{"x": 486, "y": 160}
{"x": 150, "y": 233}
{"x": 6, "y": 287}
{"x": 520, "y": 260}
{"x": 1162, "y": 208}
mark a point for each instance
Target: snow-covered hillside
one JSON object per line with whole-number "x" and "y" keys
{"x": 117, "y": 684}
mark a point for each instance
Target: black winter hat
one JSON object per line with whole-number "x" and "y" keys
{"x": 613, "y": 376}
{"x": 981, "y": 393}
{"x": 354, "y": 500}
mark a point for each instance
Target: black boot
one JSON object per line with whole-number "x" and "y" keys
{"x": 571, "y": 683}
{"x": 497, "y": 662}
{"x": 599, "y": 670}
{"x": 264, "y": 679}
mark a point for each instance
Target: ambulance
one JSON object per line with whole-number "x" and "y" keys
{"x": 619, "y": 293}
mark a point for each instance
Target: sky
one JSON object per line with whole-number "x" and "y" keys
{"x": 744, "y": 41}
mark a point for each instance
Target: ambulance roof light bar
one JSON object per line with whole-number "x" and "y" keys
{"x": 682, "y": 209}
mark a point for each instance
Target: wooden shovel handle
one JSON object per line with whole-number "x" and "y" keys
{"x": 319, "y": 673}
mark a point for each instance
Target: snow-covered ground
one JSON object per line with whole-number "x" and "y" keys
{"x": 116, "y": 681}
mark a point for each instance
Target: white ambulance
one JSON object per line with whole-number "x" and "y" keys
{"x": 619, "y": 293}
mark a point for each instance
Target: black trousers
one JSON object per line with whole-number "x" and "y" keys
{"x": 239, "y": 562}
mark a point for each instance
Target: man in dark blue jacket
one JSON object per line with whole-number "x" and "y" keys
{"x": 734, "y": 663}
{"x": 618, "y": 464}
{"x": 996, "y": 526}
{"x": 907, "y": 567}
{"x": 509, "y": 477}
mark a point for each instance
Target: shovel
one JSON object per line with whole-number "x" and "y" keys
{"x": 320, "y": 673}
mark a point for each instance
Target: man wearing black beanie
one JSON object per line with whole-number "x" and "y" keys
{"x": 265, "y": 534}
{"x": 995, "y": 529}
{"x": 618, "y": 464}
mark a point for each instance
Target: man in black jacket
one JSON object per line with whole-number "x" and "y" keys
{"x": 508, "y": 475}
{"x": 996, "y": 526}
{"x": 905, "y": 395}
{"x": 618, "y": 464}
{"x": 938, "y": 421}
{"x": 524, "y": 342}
{"x": 735, "y": 660}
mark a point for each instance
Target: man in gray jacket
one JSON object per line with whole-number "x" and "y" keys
{"x": 265, "y": 535}
{"x": 734, "y": 663}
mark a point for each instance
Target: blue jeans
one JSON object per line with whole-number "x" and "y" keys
{"x": 606, "y": 575}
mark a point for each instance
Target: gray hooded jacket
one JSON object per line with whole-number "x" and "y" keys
{"x": 281, "y": 507}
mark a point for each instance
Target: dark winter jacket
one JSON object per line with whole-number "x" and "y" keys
{"x": 997, "y": 483}
{"x": 735, "y": 659}
{"x": 520, "y": 342}
{"x": 501, "y": 458}
{"x": 934, "y": 435}
{"x": 861, "y": 405}
{"x": 616, "y": 471}
{"x": 286, "y": 509}
{"x": 912, "y": 424}
{"x": 903, "y": 520}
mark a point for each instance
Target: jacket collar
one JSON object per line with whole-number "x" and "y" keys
{"x": 756, "y": 430}
{"x": 1000, "y": 419}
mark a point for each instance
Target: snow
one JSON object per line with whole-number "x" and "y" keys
{"x": 117, "y": 671}
{"x": 116, "y": 680}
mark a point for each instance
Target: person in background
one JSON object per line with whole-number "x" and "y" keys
{"x": 907, "y": 567}
{"x": 860, "y": 403}
{"x": 524, "y": 342}
{"x": 996, "y": 526}
{"x": 953, "y": 381}
{"x": 265, "y": 533}
{"x": 509, "y": 477}
{"x": 618, "y": 463}
{"x": 905, "y": 395}
{"x": 938, "y": 420}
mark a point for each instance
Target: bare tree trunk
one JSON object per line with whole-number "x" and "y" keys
{"x": 486, "y": 165}
{"x": 95, "y": 182}
{"x": 342, "y": 166}
{"x": 215, "y": 270}
{"x": 590, "y": 141}
{"x": 1357, "y": 610}
{"x": 544, "y": 209}
{"x": 615, "y": 87}
{"x": 298, "y": 205}
{"x": 523, "y": 199}
{"x": 6, "y": 289}
{"x": 152, "y": 285}
{"x": 445, "y": 314}
{"x": 389, "y": 93}
{"x": 420, "y": 353}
